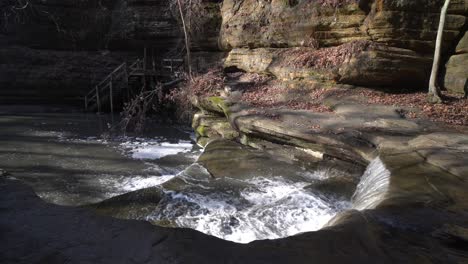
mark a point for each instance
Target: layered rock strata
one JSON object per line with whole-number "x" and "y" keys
{"x": 403, "y": 32}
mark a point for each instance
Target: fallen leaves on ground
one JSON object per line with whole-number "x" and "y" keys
{"x": 454, "y": 110}
{"x": 274, "y": 94}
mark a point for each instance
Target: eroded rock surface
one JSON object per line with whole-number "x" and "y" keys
{"x": 422, "y": 207}
{"x": 419, "y": 204}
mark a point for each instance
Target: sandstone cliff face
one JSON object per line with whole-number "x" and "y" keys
{"x": 456, "y": 76}
{"x": 404, "y": 33}
{"x": 280, "y": 23}
{"x": 258, "y": 35}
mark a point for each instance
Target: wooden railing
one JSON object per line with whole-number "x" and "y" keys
{"x": 105, "y": 88}
{"x": 171, "y": 64}
{"x": 138, "y": 65}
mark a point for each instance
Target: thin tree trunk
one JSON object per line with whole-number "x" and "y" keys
{"x": 187, "y": 42}
{"x": 434, "y": 91}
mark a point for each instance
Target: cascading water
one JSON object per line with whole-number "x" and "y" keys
{"x": 372, "y": 187}
{"x": 259, "y": 197}
{"x": 246, "y": 210}
{"x": 72, "y": 159}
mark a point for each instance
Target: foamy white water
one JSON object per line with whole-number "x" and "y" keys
{"x": 155, "y": 149}
{"x": 268, "y": 208}
{"x": 372, "y": 186}
{"x": 237, "y": 210}
{"x": 128, "y": 184}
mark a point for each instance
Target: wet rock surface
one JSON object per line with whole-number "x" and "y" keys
{"x": 416, "y": 212}
{"x": 74, "y": 235}
{"x": 422, "y": 165}
{"x": 242, "y": 194}
{"x": 412, "y": 210}
{"x": 71, "y": 159}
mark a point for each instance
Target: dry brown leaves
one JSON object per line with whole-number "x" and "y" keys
{"x": 325, "y": 58}
{"x": 336, "y": 3}
{"x": 272, "y": 95}
{"x": 208, "y": 84}
{"x": 454, "y": 110}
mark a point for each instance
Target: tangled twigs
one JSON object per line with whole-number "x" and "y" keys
{"x": 207, "y": 84}
{"x": 135, "y": 112}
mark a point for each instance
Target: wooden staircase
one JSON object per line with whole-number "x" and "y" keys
{"x": 118, "y": 84}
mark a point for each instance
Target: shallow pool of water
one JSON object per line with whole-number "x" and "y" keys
{"x": 70, "y": 158}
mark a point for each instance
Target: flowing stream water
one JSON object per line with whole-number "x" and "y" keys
{"x": 69, "y": 159}
{"x": 372, "y": 187}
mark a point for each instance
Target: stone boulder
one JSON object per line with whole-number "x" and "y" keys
{"x": 456, "y": 75}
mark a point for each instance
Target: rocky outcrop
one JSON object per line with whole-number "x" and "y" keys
{"x": 402, "y": 24}
{"x": 253, "y": 32}
{"x": 403, "y": 36}
{"x": 263, "y": 24}
{"x": 370, "y": 67}
{"x": 347, "y": 133}
{"x": 413, "y": 24}
{"x": 456, "y": 75}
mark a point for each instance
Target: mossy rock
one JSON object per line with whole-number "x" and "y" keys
{"x": 203, "y": 141}
{"x": 215, "y": 104}
{"x": 225, "y": 130}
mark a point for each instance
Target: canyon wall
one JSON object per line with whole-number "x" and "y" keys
{"x": 398, "y": 37}
{"x": 60, "y": 49}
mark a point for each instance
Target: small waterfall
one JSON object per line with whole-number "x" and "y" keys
{"x": 372, "y": 187}
{"x": 246, "y": 210}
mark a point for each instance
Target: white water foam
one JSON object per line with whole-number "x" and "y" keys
{"x": 140, "y": 182}
{"x": 155, "y": 149}
{"x": 270, "y": 208}
{"x": 60, "y": 135}
{"x": 120, "y": 185}
{"x": 373, "y": 186}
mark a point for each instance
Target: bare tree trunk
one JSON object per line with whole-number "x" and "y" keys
{"x": 434, "y": 91}
{"x": 187, "y": 42}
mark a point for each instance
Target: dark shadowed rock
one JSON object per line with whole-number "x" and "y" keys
{"x": 36, "y": 232}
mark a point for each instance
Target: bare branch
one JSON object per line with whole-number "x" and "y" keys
{"x": 22, "y": 7}
{"x": 434, "y": 91}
